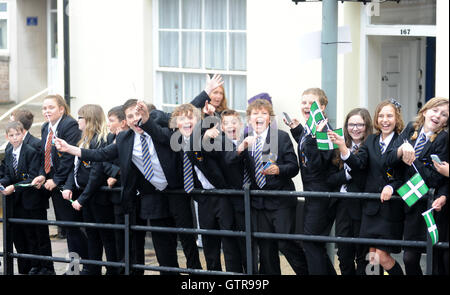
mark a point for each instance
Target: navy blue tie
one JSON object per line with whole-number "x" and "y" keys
{"x": 148, "y": 168}
{"x": 260, "y": 178}
{"x": 15, "y": 164}
{"x": 382, "y": 147}
{"x": 188, "y": 174}
{"x": 420, "y": 144}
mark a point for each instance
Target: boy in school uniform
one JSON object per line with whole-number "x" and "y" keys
{"x": 198, "y": 168}
{"x": 22, "y": 165}
{"x": 272, "y": 214}
{"x": 143, "y": 183}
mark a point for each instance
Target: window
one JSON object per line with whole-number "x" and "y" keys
{"x": 3, "y": 26}
{"x": 196, "y": 37}
{"x": 406, "y": 12}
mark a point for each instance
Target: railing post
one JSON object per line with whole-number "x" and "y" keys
{"x": 248, "y": 230}
{"x": 8, "y": 261}
{"x": 127, "y": 244}
{"x": 429, "y": 269}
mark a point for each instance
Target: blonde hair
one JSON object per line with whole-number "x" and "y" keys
{"x": 260, "y": 104}
{"x": 61, "y": 102}
{"x": 323, "y": 100}
{"x": 420, "y": 119}
{"x": 95, "y": 125}
{"x": 399, "y": 124}
{"x": 184, "y": 109}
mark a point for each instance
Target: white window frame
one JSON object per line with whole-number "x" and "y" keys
{"x": 157, "y": 70}
{"x": 368, "y": 29}
{"x": 5, "y": 16}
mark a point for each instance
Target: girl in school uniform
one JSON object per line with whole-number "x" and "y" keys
{"x": 56, "y": 167}
{"x": 381, "y": 219}
{"x": 357, "y": 127}
{"x": 412, "y": 152}
{"x": 315, "y": 165}
{"x": 83, "y": 185}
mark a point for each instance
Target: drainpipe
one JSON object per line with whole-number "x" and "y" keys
{"x": 66, "y": 52}
{"x": 329, "y": 71}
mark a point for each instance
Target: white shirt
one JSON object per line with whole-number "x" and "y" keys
{"x": 159, "y": 180}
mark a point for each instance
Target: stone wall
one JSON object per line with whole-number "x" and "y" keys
{"x": 4, "y": 78}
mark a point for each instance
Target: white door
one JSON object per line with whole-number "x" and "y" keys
{"x": 400, "y": 75}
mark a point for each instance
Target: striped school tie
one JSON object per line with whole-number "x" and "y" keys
{"x": 260, "y": 178}
{"x": 48, "y": 152}
{"x": 148, "y": 168}
{"x": 382, "y": 147}
{"x": 246, "y": 174}
{"x": 15, "y": 164}
{"x": 188, "y": 174}
{"x": 420, "y": 144}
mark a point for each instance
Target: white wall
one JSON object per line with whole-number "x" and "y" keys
{"x": 274, "y": 29}
{"x": 29, "y": 58}
{"x": 109, "y": 62}
{"x": 442, "y": 48}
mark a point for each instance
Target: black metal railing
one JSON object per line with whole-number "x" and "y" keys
{"x": 248, "y": 234}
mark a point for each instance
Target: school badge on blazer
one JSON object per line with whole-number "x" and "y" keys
{"x": 198, "y": 156}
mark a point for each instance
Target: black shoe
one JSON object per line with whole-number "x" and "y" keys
{"x": 46, "y": 272}
{"x": 34, "y": 271}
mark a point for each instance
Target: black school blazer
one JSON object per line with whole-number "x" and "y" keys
{"x": 62, "y": 162}
{"x": 28, "y": 168}
{"x": 369, "y": 160}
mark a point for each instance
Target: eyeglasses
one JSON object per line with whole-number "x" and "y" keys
{"x": 357, "y": 126}
{"x": 80, "y": 117}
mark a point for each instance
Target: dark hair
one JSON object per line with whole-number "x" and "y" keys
{"x": 365, "y": 115}
{"x": 15, "y": 125}
{"x": 133, "y": 102}
{"x": 129, "y": 103}
{"x": 25, "y": 117}
{"x": 118, "y": 112}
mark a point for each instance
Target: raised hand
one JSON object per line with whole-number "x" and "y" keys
{"x": 142, "y": 109}
{"x": 209, "y": 109}
{"x": 213, "y": 83}
{"x": 294, "y": 123}
{"x": 321, "y": 125}
{"x": 212, "y": 132}
{"x": 61, "y": 145}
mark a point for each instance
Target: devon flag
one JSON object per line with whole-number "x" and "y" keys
{"x": 316, "y": 113}
{"x": 311, "y": 125}
{"x": 431, "y": 225}
{"x": 324, "y": 143}
{"x": 413, "y": 190}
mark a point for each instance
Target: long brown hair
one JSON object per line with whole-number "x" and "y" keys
{"x": 420, "y": 119}
{"x": 95, "y": 124}
{"x": 223, "y": 104}
{"x": 399, "y": 124}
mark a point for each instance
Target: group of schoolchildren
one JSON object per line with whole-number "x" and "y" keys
{"x": 205, "y": 145}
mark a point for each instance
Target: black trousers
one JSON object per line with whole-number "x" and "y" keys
{"x": 318, "y": 219}
{"x": 180, "y": 209}
{"x": 31, "y": 239}
{"x": 348, "y": 254}
{"x": 100, "y": 238}
{"x": 216, "y": 213}
{"x": 278, "y": 221}
{"x": 76, "y": 239}
{"x": 165, "y": 244}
